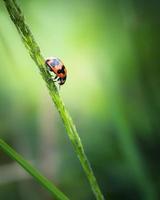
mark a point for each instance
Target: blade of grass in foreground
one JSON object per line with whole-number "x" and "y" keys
{"x": 17, "y": 17}
{"x": 32, "y": 171}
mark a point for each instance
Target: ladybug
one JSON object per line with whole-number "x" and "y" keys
{"x": 56, "y": 69}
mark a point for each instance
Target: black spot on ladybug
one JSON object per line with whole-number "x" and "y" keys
{"x": 61, "y": 71}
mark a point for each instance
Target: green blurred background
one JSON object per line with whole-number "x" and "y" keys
{"x": 111, "y": 51}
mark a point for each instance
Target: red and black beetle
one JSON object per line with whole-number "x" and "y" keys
{"x": 56, "y": 69}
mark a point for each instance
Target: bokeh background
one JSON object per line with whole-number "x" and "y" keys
{"x": 111, "y": 51}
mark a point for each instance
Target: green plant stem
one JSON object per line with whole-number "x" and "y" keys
{"x": 32, "y": 171}
{"x": 34, "y": 51}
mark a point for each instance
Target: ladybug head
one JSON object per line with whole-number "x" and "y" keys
{"x": 52, "y": 62}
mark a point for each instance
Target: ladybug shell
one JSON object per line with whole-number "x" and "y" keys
{"x": 56, "y": 65}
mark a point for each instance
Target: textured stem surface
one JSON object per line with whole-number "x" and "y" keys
{"x": 27, "y": 37}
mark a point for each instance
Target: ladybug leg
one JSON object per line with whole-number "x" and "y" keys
{"x": 59, "y": 80}
{"x": 52, "y": 79}
{"x": 55, "y": 78}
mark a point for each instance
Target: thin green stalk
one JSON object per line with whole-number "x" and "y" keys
{"x": 32, "y": 171}
{"x": 34, "y": 51}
